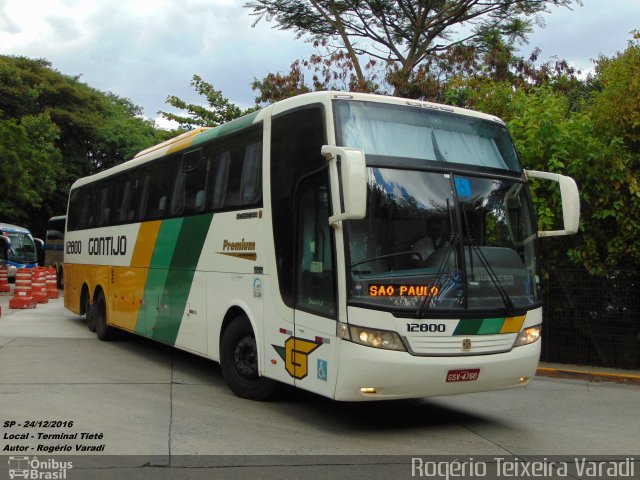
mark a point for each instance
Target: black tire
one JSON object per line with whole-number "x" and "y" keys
{"x": 239, "y": 362}
{"x": 88, "y": 311}
{"x": 104, "y": 331}
{"x": 61, "y": 278}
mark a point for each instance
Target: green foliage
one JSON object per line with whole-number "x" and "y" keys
{"x": 219, "y": 110}
{"x": 121, "y": 133}
{"x": 56, "y": 129}
{"x": 616, "y": 108}
{"x": 29, "y": 164}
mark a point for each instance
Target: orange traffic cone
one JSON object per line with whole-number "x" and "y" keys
{"x": 39, "y": 285}
{"x": 52, "y": 283}
{"x": 22, "y": 291}
{"x": 4, "y": 280}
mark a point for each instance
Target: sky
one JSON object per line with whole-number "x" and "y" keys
{"x": 146, "y": 50}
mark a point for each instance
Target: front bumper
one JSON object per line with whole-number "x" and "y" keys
{"x": 396, "y": 375}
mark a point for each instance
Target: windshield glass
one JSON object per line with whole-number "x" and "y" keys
{"x": 22, "y": 249}
{"x": 406, "y": 133}
{"x": 416, "y": 250}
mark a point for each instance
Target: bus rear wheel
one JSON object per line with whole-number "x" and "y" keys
{"x": 104, "y": 331}
{"x": 239, "y": 362}
{"x": 88, "y": 311}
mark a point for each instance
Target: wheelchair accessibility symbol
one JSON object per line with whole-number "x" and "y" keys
{"x": 322, "y": 370}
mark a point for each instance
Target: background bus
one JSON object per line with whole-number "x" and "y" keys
{"x": 54, "y": 246}
{"x": 288, "y": 245}
{"x": 19, "y": 248}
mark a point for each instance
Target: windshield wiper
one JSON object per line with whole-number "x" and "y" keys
{"x": 471, "y": 243}
{"x": 454, "y": 240}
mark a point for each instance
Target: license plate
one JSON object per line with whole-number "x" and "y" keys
{"x": 468, "y": 375}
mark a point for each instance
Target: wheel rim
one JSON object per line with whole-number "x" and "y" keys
{"x": 245, "y": 358}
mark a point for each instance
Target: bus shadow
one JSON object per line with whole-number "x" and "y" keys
{"x": 388, "y": 415}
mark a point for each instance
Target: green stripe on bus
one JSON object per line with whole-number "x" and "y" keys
{"x": 479, "y": 326}
{"x": 166, "y": 243}
{"x": 178, "y": 282}
{"x": 226, "y": 129}
{"x": 468, "y": 326}
{"x": 491, "y": 326}
{"x": 157, "y": 276}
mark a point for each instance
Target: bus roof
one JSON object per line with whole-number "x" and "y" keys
{"x": 7, "y": 227}
{"x": 203, "y": 134}
{"x": 171, "y": 141}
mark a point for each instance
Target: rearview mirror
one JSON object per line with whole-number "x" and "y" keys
{"x": 349, "y": 178}
{"x": 5, "y": 243}
{"x": 570, "y": 202}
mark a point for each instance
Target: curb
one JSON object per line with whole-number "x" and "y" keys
{"x": 589, "y": 375}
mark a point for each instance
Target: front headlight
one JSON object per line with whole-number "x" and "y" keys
{"x": 371, "y": 337}
{"x": 528, "y": 335}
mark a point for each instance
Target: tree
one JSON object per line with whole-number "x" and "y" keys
{"x": 220, "y": 109}
{"x": 403, "y": 33}
{"x": 30, "y": 164}
{"x": 276, "y": 86}
{"x": 616, "y": 108}
{"x": 56, "y": 129}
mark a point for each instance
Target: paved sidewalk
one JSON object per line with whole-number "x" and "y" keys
{"x": 585, "y": 372}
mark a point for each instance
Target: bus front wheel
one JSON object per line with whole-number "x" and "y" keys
{"x": 239, "y": 362}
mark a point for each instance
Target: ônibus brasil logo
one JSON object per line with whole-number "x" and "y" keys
{"x": 32, "y": 468}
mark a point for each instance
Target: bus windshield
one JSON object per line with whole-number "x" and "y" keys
{"x": 439, "y": 241}
{"x": 22, "y": 248}
{"x": 408, "y": 134}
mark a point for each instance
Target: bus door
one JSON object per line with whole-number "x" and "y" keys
{"x": 313, "y": 359}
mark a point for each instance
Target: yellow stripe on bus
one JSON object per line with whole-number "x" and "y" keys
{"x": 129, "y": 282}
{"x": 512, "y": 324}
{"x": 145, "y": 243}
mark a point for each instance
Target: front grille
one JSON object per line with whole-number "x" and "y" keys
{"x": 453, "y": 346}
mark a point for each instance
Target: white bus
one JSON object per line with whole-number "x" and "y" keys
{"x": 357, "y": 246}
{"x": 54, "y": 246}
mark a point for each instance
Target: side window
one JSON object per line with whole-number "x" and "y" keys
{"x": 236, "y": 170}
{"x": 189, "y": 190}
{"x": 82, "y": 208}
{"x": 220, "y": 175}
{"x": 316, "y": 288}
{"x": 90, "y": 210}
{"x": 105, "y": 190}
{"x": 232, "y": 198}
{"x": 157, "y": 183}
{"x": 251, "y": 179}
{"x": 56, "y": 230}
{"x": 118, "y": 184}
{"x": 130, "y": 197}
{"x": 75, "y": 209}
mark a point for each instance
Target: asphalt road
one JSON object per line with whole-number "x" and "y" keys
{"x": 150, "y": 407}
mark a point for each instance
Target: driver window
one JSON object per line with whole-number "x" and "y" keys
{"x": 316, "y": 280}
